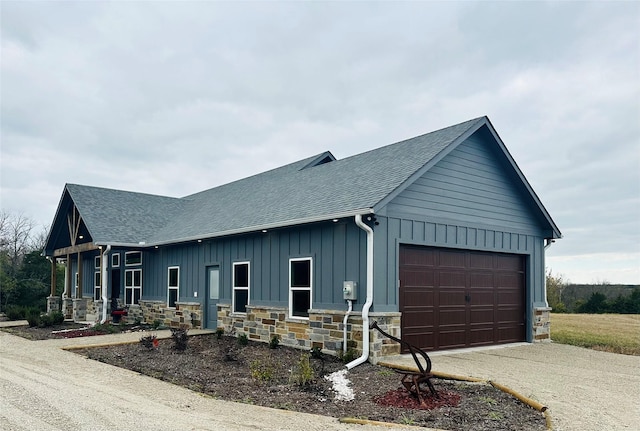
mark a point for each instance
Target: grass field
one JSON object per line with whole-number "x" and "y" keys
{"x": 616, "y": 333}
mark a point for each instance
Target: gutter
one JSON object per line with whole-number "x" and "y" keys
{"x": 103, "y": 283}
{"x": 369, "y": 300}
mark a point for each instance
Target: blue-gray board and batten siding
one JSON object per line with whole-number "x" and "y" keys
{"x": 469, "y": 200}
{"x": 337, "y": 249}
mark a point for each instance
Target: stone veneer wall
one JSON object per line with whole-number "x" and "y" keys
{"x": 542, "y": 324}
{"x": 184, "y": 314}
{"x": 323, "y": 329}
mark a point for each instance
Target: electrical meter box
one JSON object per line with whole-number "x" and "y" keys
{"x": 349, "y": 289}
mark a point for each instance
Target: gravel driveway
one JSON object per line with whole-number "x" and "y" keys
{"x": 585, "y": 390}
{"x": 44, "y": 388}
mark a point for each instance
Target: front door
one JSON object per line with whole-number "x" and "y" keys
{"x": 115, "y": 287}
{"x": 213, "y": 294}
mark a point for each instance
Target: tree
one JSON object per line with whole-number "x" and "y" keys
{"x": 556, "y": 284}
{"x": 25, "y": 275}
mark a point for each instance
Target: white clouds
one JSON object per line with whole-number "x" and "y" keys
{"x": 172, "y": 98}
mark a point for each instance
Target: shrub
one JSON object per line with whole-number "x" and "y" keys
{"x": 275, "y": 340}
{"x": 156, "y": 324}
{"x": 262, "y": 372}
{"x": 45, "y": 321}
{"x": 219, "y": 333}
{"x": 316, "y": 352}
{"x": 33, "y": 317}
{"x": 243, "y": 340}
{"x": 180, "y": 339}
{"x": 57, "y": 317}
{"x": 350, "y": 354}
{"x": 302, "y": 374}
{"x": 149, "y": 341}
{"x": 16, "y": 312}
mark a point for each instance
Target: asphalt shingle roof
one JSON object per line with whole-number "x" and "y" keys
{"x": 279, "y": 197}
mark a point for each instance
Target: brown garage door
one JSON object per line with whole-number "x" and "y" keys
{"x": 459, "y": 298}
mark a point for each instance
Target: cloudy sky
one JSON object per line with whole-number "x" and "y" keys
{"x": 172, "y": 98}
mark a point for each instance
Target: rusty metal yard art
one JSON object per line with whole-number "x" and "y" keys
{"x": 412, "y": 380}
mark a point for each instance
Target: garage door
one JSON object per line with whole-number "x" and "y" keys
{"x": 459, "y": 298}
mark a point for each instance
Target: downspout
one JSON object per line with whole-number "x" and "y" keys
{"x": 344, "y": 326}
{"x": 369, "y": 300}
{"x": 66, "y": 280}
{"x": 546, "y": 246}
{"x": 103, "y": 283}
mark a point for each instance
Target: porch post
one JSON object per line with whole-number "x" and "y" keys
{"x": 80, "y": 287}
{"x": 67, "y": 277}
{"x": 53, "y": 276}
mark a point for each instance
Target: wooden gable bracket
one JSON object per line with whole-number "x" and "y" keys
{"x": 73, "y": 222}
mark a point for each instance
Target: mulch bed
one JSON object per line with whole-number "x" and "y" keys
{"x": 256, "y": 374}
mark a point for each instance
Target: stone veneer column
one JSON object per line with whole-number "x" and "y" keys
{"x": 542, "y": 324}
{"x": 53, "y": 304}
{"x": 80, "y": 309}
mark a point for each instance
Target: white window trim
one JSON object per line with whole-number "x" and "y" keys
{"x": 115, "y": 260}
{"x": 133, "y": 287}
{"x": 132, "y": 264}
{"x": 170, "y": 288}
{"x": 76, "y": 278}
{"x": 292, "y": 289}
{"x": 97, "y": 283}
{"x": 97, "y": 262}
{"x": 234, "y": 288}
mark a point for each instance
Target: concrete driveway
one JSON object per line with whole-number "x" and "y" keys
{"x": 45, "y": 388}
{"x": 584, "y": 389}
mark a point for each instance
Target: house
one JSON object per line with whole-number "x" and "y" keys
{"x": 439, "y": 238}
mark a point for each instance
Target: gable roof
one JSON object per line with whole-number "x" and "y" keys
{"x": 314, "y": 189}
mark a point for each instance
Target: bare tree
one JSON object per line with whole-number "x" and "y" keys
{"x": 15, "y": 239}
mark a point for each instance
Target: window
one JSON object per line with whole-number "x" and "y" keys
{"x": 300, "y": 285}
{"x": 97, "y": 262}
{"x": 115, "y": 260}
{"x": 133, "y": 258}
{"x": 76, "y": 278}
{"x": 173, "y": 286}
{"x": 132, "y": 286}
{"x": 240, "y": 287}
{"x": 97, "y": 291}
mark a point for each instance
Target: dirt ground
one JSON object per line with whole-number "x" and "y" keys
{"x": 255, "y": 374}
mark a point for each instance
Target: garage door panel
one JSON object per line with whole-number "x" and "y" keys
{"x": 508, "y": 280}
{"x": 480, "y": 297}
{"x": 506, "y": 314}
{"x": 417, "y": 277}
{"x": 452, "y": 259}
{"x": 509, "y": 297}
{"x": 417, "y": 338}
{"x": 510, "y": 334}
{"x": 451, "y": 316}
{"x": 480, "y": 260}
{"x": 456, "y": 298}
{"x": 418, "y": 319}
{"x": 451, "y": 297}
{"x": 451, "y": 339}
{"x": 509, "y": 261}
{"x": 482, "y": 316}
{"x": 482, "y": 336}
{"x": 415, "y": 297}
{"x": 452, "y": 279}
{"x": 481, "y": 280}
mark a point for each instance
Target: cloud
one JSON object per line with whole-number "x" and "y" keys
{"x": 173, "y": 98}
